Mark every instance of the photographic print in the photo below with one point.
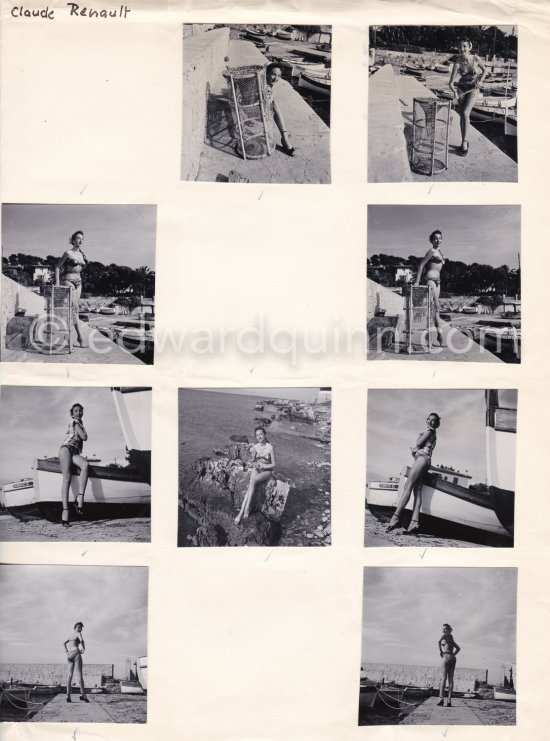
(256, 103)
(444, 283)
(73, 644)
(443, 474)
(254, 467)
(75, 463)
(78, 283)
(438, 647)
(443, 103)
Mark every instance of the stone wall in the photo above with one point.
(424, 676)
(14, 297)
(53, 673)
(203, 63)
(381, 297)
(388, 158)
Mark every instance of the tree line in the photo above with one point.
(457, 277)
(97, 279)
(486, 40)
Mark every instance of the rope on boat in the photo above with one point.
(381, 693)
(27, 702)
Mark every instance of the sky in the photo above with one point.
(123, 235)
(34, 420)
(483, 234)
(404, 609)
(298, 394)
(40, 605)
(396, 417)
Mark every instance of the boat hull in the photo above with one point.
(446, 502)
(142, 671)
(130, 688)
(111, 492)
(316, 85)
(503, 693)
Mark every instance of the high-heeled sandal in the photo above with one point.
(69, 698)
(394, 524)
(84, 698)
(65, 521)
(464, 148)
(412, 530)
(79, 509)
(291, 151)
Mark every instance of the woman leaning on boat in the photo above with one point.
(74, 648)
(422, 454)
(70, 453)
(470, 71)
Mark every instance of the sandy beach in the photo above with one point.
(134, 530)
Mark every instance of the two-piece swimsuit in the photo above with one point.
(72, 263)
(469, 78)
(437, 260)
(263, 458)
(74, 652)
(447, 651)
(72, 441)
(427, 449)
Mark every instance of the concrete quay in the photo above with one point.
(431, 714)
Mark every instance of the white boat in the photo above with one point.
(142, 671)
(383, 493)
(501, 339)
(442, 68)
(504, 693)
(113, 490)
(107, 310)
(129, 687)
(500, 435)
(16, 493)
(309, 67)
(285, 35)
(496, 101)
(319, 85)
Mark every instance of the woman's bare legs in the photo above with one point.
(280, 123)
(75, 308)
(450, 679)
(65, 460)
(418, 469)
(256, 477)
(467, 103)
(82, 464)
(70, 678)
(78, 664)
(417, 493)
(435, 289)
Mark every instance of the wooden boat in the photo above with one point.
(129, 687)
(284, 35)
(442, 68)
(113, 491)
(315, 83)
(414, 71)
(142, 671)
(504, 693)
(500, 435)
(16, 493)
(309, 67)
(501, 339)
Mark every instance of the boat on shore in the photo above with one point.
(113, 490)
(130, 687)
(504, 693)
(316, 83)
(500, 436)
(16, 493)
(141, 668)
(442, 68)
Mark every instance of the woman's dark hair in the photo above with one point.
(465, 40)
(272, 66)
(435, 231)
(76, 405)
(79, 623)
(73, 236)
(437, 419)
(446, 625)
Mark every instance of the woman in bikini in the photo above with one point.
(448, 649)
(422, 454)
(471, 72)
(74, 648)
(433, 261)
(262, 471)
(68, 273)
(273, 75)
(69, 454)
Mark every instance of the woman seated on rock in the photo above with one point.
(262, 470)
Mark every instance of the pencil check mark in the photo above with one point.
(424, 553)
(445, 732)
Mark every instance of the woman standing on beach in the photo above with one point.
(68, 273)
(448, 649)
(422, 454)
(74, 648)
(262, 471)
(433, 261)
(273, 75)
(471, 72)
(69, 454)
